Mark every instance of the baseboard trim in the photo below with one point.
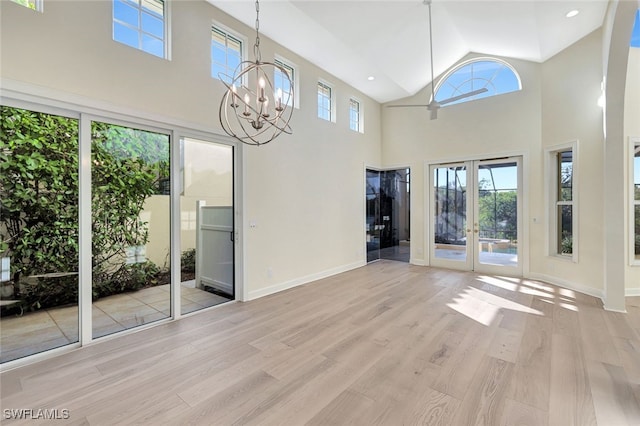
(632, 292)
(276, 288)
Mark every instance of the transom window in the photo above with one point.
(226, 54)
(281, 84)
(141, 24)
(325, 106)
(354, 115)
(496, 76)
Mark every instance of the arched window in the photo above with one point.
(495, 75)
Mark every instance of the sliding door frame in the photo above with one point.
(51, 101)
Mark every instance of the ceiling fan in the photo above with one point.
(434, 105)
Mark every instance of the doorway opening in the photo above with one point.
(388, 232)
(207, 224)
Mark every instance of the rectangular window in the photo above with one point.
(563, 197)
(31, 4)
(354, 115)
(284, 88)
(635, 188)
(325, 102)
(141, 24)
(226, 54)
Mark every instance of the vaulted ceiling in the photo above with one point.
(389, 40)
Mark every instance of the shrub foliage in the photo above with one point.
(39, 193)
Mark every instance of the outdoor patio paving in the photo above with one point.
(46, 329)
(500, 259)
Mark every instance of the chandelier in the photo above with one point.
(252, 109)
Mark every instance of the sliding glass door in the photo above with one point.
(39, 247)
(207, 224)
(94, 211)
(476, 215)
(130, 207)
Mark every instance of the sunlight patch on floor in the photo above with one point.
(484, 307)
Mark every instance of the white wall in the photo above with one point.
(558, 104)
(304, 192)
(494, 127)
(570, 91)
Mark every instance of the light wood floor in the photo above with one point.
(388, 344)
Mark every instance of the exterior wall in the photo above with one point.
(304, 192)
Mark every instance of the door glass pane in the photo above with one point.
(373, 225)
(206, 230)
(394, 215)
(130, 227)
(450, 217)
(497, 220)
(38, 232)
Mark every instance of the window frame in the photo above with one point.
(463, 64)
(285, 63)
(359, 127)
(228, 33)
(553, 201)
(331, 98)
(634, 143)
(166, 51)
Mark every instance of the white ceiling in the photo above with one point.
(389, 39)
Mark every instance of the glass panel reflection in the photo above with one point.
(130, 227)
(498, 214)
(637, 231)
(450, 213)
(206, 216)
(38, 232)
(373, 225)
(565, 225)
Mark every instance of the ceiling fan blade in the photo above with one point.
(407, 106)
(464, 95)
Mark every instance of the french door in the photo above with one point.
(476, 215)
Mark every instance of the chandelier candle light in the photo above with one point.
(247, 114)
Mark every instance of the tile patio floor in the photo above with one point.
(46, 329)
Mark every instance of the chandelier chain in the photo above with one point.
(256, 46)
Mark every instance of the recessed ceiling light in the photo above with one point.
(371, 78)
(572, 13)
